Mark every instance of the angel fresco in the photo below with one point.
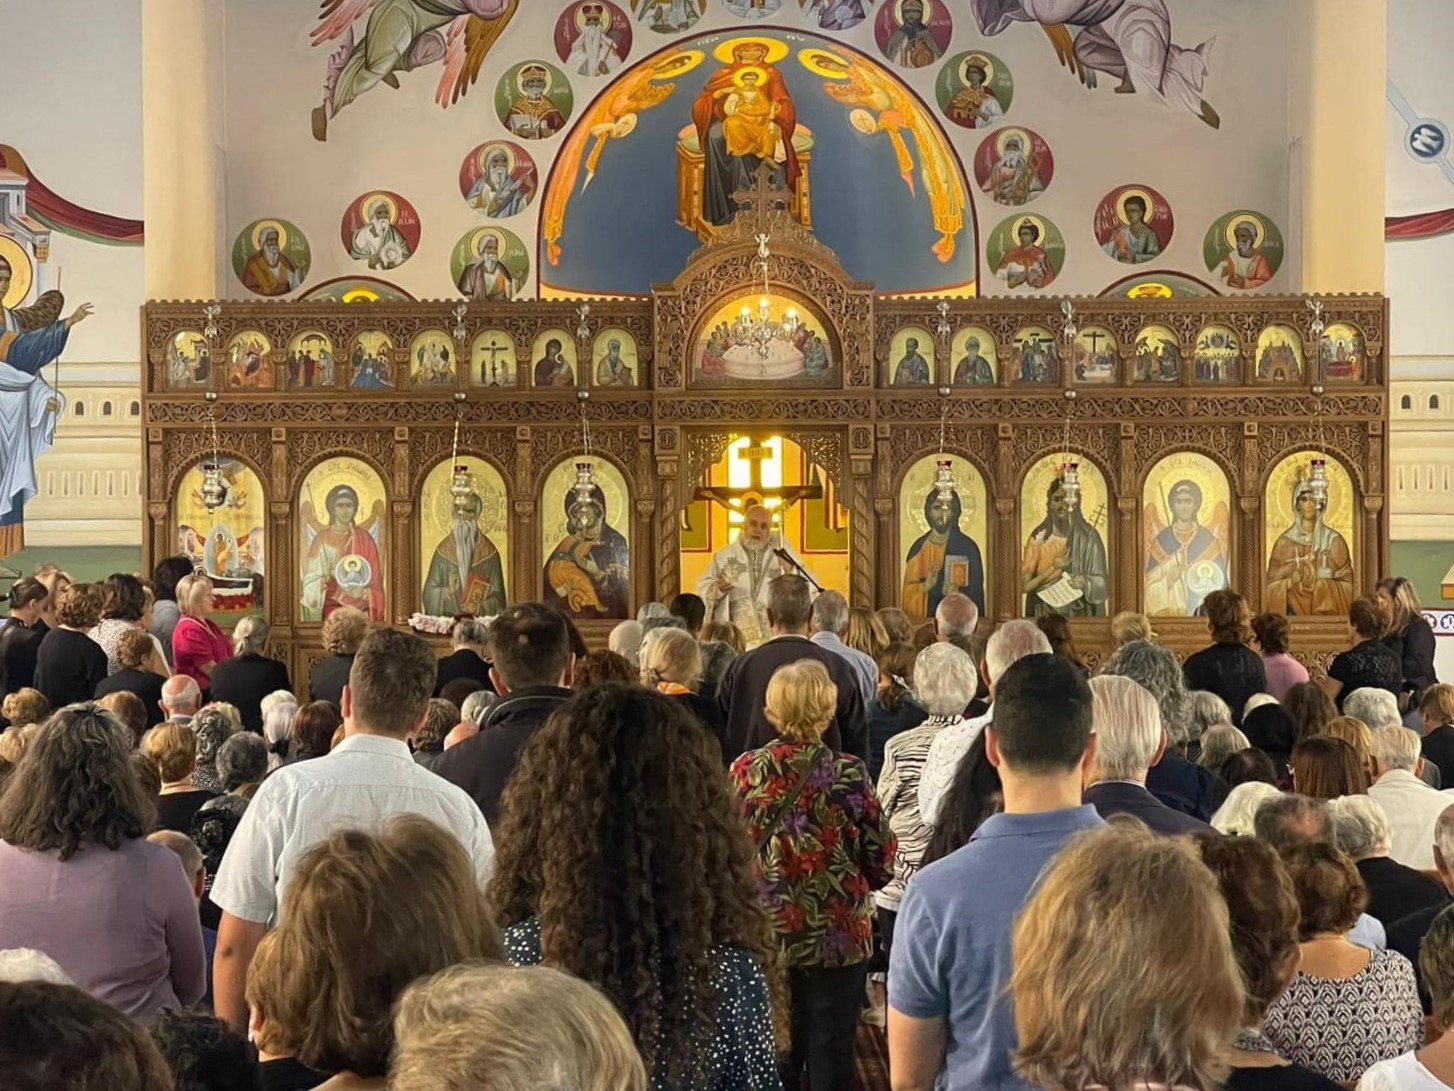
(1128, 40)
(879, 103)
(400, 36)
(612, 116)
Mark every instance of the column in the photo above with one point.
(1342, 124)
(181, 48)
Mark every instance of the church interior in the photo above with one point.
(430, 308)
(737, 260)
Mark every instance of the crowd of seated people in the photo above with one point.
(682, 863)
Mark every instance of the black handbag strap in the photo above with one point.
(783, 808)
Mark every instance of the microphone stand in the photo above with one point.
(783, 555)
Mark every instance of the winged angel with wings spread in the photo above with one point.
(400, 36)
(1128, 40)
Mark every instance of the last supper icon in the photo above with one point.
(764, 339)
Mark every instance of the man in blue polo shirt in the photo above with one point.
(951, 1025)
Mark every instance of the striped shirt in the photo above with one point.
(898, 791)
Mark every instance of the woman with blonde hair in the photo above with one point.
(409, 893)
(54, 581)
(726, 633)
(823, 845)
(671, 663)
(1355, 733)
(172, 746)
(1436, 711)
(1128, 626)
(198, 642)
(1109, 988)
(25, 706)
(480, 1026)
(866, 633)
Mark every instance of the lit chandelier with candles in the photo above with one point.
(762, 331)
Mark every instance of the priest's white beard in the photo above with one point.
(466, 534)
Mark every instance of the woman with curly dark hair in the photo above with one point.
(82, 883)
(622, 859)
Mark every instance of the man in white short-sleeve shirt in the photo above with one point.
(368, 778)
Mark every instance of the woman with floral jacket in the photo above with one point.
(823, 847)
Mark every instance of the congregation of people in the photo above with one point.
(686, 864)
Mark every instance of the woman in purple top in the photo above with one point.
(78, 879)
(1282, 670)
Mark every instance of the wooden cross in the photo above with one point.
(764, 201)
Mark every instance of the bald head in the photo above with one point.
(180, 696)
(955, 618)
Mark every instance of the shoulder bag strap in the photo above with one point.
(784, 807)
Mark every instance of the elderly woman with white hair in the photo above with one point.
(1237, 816)
(251, 675)
(1129, 740)
(1219, 743)
(1181, 784)
(278, 717)
(1412, 807)
(1362, 831)
(469, 655)
(945, 681)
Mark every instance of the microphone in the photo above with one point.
(782, 554)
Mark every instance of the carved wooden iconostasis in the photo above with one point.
(338, 420)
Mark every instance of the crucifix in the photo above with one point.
(736, 499)
(495, 348)
(1095, 337)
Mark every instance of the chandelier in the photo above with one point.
(214, 491)
(1317, 477)
(585, 486)
(761, 330)
(1069, 467)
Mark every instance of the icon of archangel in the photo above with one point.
(399, 36)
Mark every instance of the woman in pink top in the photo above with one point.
(79, 880)
(198, 642)
(1283, 671)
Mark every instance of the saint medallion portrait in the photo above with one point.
(271, 258)
(1133, 224)
(381, 230)
(1243, 249)
(974, 89)
(593, 37)
(498, 179)
(1013, 166)
(913, 33)
(534, 100)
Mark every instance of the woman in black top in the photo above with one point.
(468, 659)
(19, 640)
(343, 632)
(1369, 663)
(1228, 668)
(1410, 635)
(250, 675)
(173, 747)
(70, 665)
